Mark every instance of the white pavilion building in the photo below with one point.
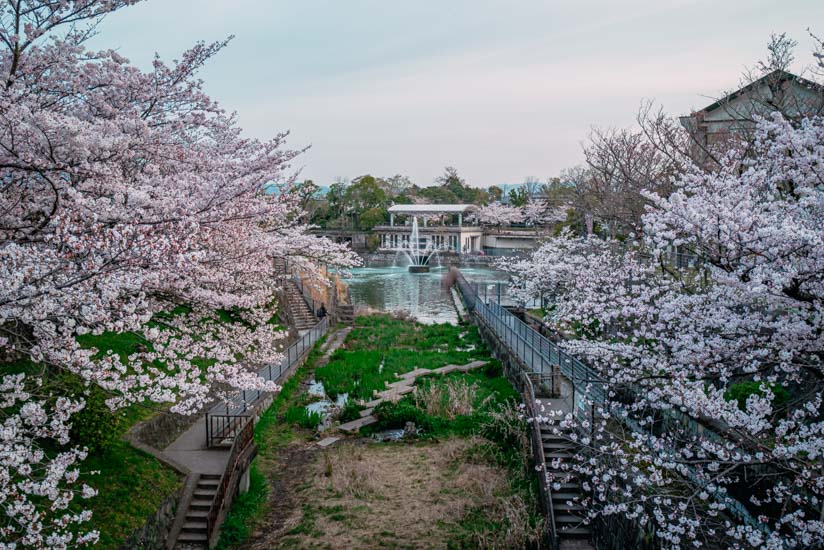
(440, 226)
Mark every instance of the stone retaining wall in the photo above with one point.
(153, 534)
(161, 429)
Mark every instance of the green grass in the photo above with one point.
(272, 433)
(298, 414)
(131, 485)
(238, 524)
(380, 347)
(493, 390)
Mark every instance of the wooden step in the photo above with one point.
(565, 496)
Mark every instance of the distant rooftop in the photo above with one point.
(430, 208)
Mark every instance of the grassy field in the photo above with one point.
(466, 481)
(381, 346)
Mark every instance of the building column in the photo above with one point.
(460, 219)
(392, 219)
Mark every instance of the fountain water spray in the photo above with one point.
(418, 258)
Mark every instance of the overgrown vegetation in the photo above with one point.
(466, 481)
(272, 433)
(381, 346)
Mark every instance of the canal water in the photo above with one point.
(393, 288)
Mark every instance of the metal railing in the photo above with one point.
(225, 420)
(589, 388)
(229, 479)
(540, 462)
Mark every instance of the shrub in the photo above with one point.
(304, 418)
(452, 398)
(396, 415)
(351, 411)
(493, 369)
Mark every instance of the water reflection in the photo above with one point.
(389, 288)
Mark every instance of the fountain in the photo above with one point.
(418, 259)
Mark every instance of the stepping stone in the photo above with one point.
(446, 369)
(356, 425)
(414, 373)
(372, 404)
(366, 412)
(400, 384)
(395, 392)
(328, 441)
(460, 368)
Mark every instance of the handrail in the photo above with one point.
(239, 446)
(593, 384)
(237, 406)
(540, 459)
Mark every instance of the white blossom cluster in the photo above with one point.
(671, 448)
(124, 194)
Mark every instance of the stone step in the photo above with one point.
(563, 507)
(554, 453)
(204, 494)
(568, 519)
(564, 496)
(400, 384)
(574, 532)
(414, 373)
(192, 538)
(394, 392)
(366, 412)
(570, 487)
(558, 445)
(196, 515)
(194, 527)
(356, 425)
(199, 505)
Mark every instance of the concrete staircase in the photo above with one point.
(299, 311)
(194, 533)
(346, 314)
(569, 519)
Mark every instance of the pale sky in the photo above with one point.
(500, 89)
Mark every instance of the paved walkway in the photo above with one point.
(190, 448)
(394, 391)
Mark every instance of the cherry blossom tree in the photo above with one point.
(537, 212)
(124, 194)
(710, 431)
(498, 214)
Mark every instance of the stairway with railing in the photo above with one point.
(540, 355)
